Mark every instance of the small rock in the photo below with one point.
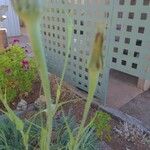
(40, 103)
(22, 105)
(118, 131)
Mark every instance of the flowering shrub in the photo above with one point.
(17, 71)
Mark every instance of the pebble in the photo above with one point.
(22, 105)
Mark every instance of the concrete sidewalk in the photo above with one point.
(139, 107)
(122, 89)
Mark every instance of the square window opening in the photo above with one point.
(139, 42)
(143, 16)
(75, 22)
(120, 14)
(141, 30)
(81, 23)
(75, 57)
(86, 69)
(146, 2)
(127, 40)
(80, 75)
(125, 52)
(86, 77)
(118, 27)
(74, 72)
(129, 28)
(115, 49)
(79, 83)
(131, 15)
(133, 2)
(123, 62)
(136, 54)
(81, 32)
(114, 60)
(121, 2)
(85, 86)
(64, 54)
(75, 31)
(117, 38)
(134, 65)
(99, 83)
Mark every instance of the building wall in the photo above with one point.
(129, 44)
(126, 46)
(12, 22)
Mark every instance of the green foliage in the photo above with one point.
(11, 138)
(60, 135)
(17, 72)
(69, 135)
(102, 126)
(88, 141)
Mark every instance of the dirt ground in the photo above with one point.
(117, 142)
(139, 107)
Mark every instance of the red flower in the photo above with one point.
(25, 64)
(15, 41)
(27, 51)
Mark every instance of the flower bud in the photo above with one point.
(96, 56)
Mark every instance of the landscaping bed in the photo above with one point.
(123, 135)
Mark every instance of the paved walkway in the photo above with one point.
(139, 107)
(122, 89)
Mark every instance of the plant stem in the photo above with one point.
(34, 31)
(95, 66)
(93, 79)
(69, 37)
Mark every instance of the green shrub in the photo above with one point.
(10, 138)
(102, 125)
(17, 72)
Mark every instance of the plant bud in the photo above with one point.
(96, 62)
